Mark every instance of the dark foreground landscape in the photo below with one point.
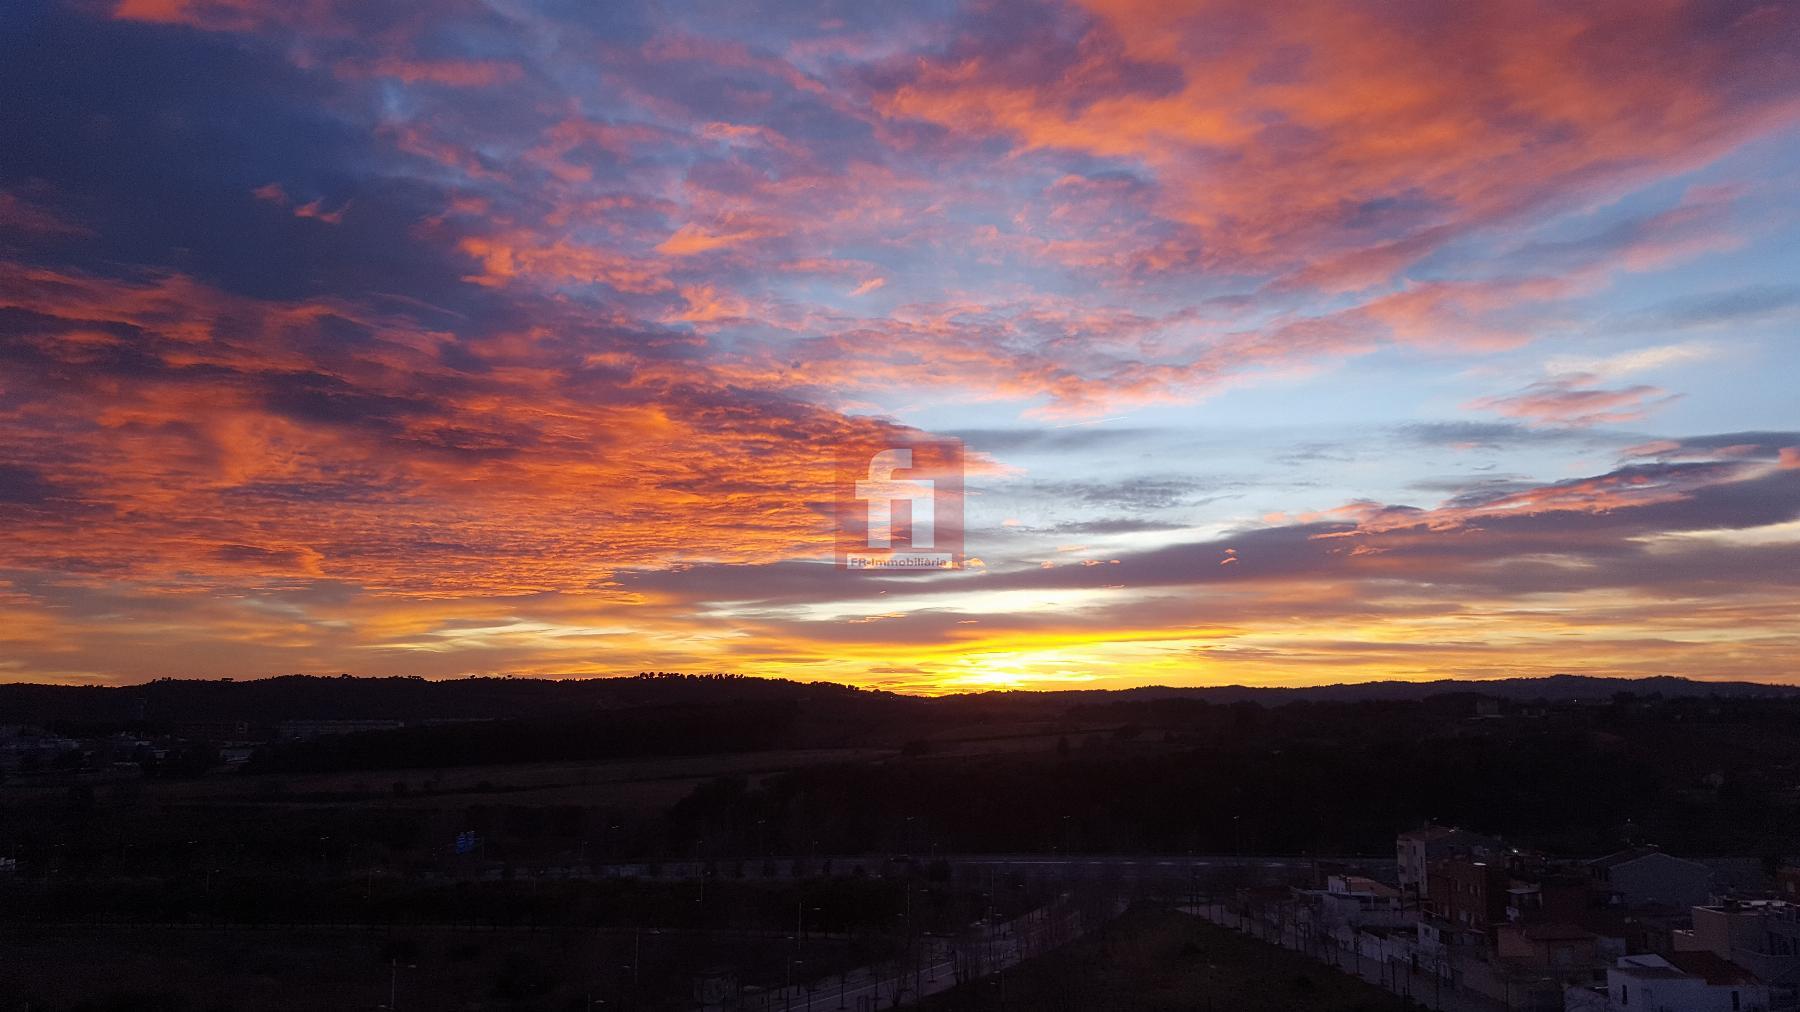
(674, 842)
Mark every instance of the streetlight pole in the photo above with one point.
(394, 969)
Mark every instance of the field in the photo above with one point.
(626, 783)
(645, 783)
(650, 782)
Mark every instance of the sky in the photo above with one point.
(1289, 344)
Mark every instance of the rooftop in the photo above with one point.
(1714, 968)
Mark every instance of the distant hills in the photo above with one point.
(1554, 688)
(344, 697)
(304, 697)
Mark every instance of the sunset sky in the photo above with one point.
(1290, 343)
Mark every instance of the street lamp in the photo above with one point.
(394, 968)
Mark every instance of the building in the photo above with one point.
(1417, 849)
(1545, 891)
(1566, 950)
(212, 730)
(1645, 876)
(1761, 936)
(305, 729)
(1533, 966)
(1355, 901)
(1469, 895)
(24, 747)
(1683, 982)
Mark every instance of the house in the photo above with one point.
(1542, 891)
(1683, 982)
(28, 747)
(212, 730)
(1645, 876)
(1470, 895)
(1417, 849)
(1762, 936)
(1564, 950)
(1534, 966)
(307, 729)
(1354, 901)
(1367, 890)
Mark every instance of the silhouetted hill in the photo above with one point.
(1553, 689)
(308, 697)
(269, 701)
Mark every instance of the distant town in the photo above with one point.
(1470, 923)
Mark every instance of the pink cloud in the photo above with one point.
(1571, 401)
(23, 216)
(443, 73)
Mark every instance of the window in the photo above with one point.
(1734, 1002)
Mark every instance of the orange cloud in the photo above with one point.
(521, 256)
(690, 239)
(515, 479)
(1341, 118)
(226, 15)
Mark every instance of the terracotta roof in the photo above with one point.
(1359, 884)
